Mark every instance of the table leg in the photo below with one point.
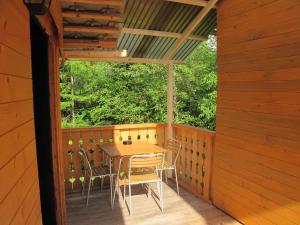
(111, 181)
(118, 182)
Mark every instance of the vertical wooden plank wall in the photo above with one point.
(256, 169)
(55, 113)
(19, 186)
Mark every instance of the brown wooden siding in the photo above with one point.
(19, 189)
(256, 170)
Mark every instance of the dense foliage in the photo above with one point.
(94, 93)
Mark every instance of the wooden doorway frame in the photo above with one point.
(48, 23)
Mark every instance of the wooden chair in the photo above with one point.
(142, 169)
(93, 172)
(174, 148)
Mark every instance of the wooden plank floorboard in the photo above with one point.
(185, 209)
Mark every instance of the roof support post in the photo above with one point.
(170, 111)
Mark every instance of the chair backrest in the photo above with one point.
(174, 147)
(86, 160)
(145, 162)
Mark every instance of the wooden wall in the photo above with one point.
(256, 172)
(19, 184)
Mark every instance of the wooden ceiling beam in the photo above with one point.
(201, 3)
(126, 60)
(83, 43)
(95, 54)
(97, 30)
(197, 38)
(188, 31)
(95, 16)
(157, 33)
(116, 3)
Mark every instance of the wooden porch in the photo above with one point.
(254, 160)
(192, 206)
(193, 164)
(179, 210)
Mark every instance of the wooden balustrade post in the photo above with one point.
(170, 109)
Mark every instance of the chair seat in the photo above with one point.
(100, 171)
(139, 178)
(144, 178)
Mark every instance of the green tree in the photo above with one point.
(196, 88)
(95, 93)
(112, 93)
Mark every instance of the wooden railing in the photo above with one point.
(195, 159)
(92, 137)
(193, 164)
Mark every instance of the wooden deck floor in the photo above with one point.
(185, 209)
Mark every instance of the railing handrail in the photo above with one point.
(136, 126)
(175, 125)
(115, 127)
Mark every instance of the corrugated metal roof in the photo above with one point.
(208, 25)
(186, 49)
(162, 16)
(153, 15)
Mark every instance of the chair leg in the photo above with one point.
(149, 190)
(176, 180)
(160, 193)
(111, 185)
(101, 184)
(114, 196)
(166, 176)
(158, 189)
(88, 195)
(83, 184)
(119, 190)
(124, 191)
(129, 186)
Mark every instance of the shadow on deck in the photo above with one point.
(185, 209)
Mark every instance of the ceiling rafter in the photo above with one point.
(127, 60)
(160, 33)
(95, 54)
(92, 16)
(93, 29)
(116, 3)
(188, 31)
(85, 43)
(201, 3)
